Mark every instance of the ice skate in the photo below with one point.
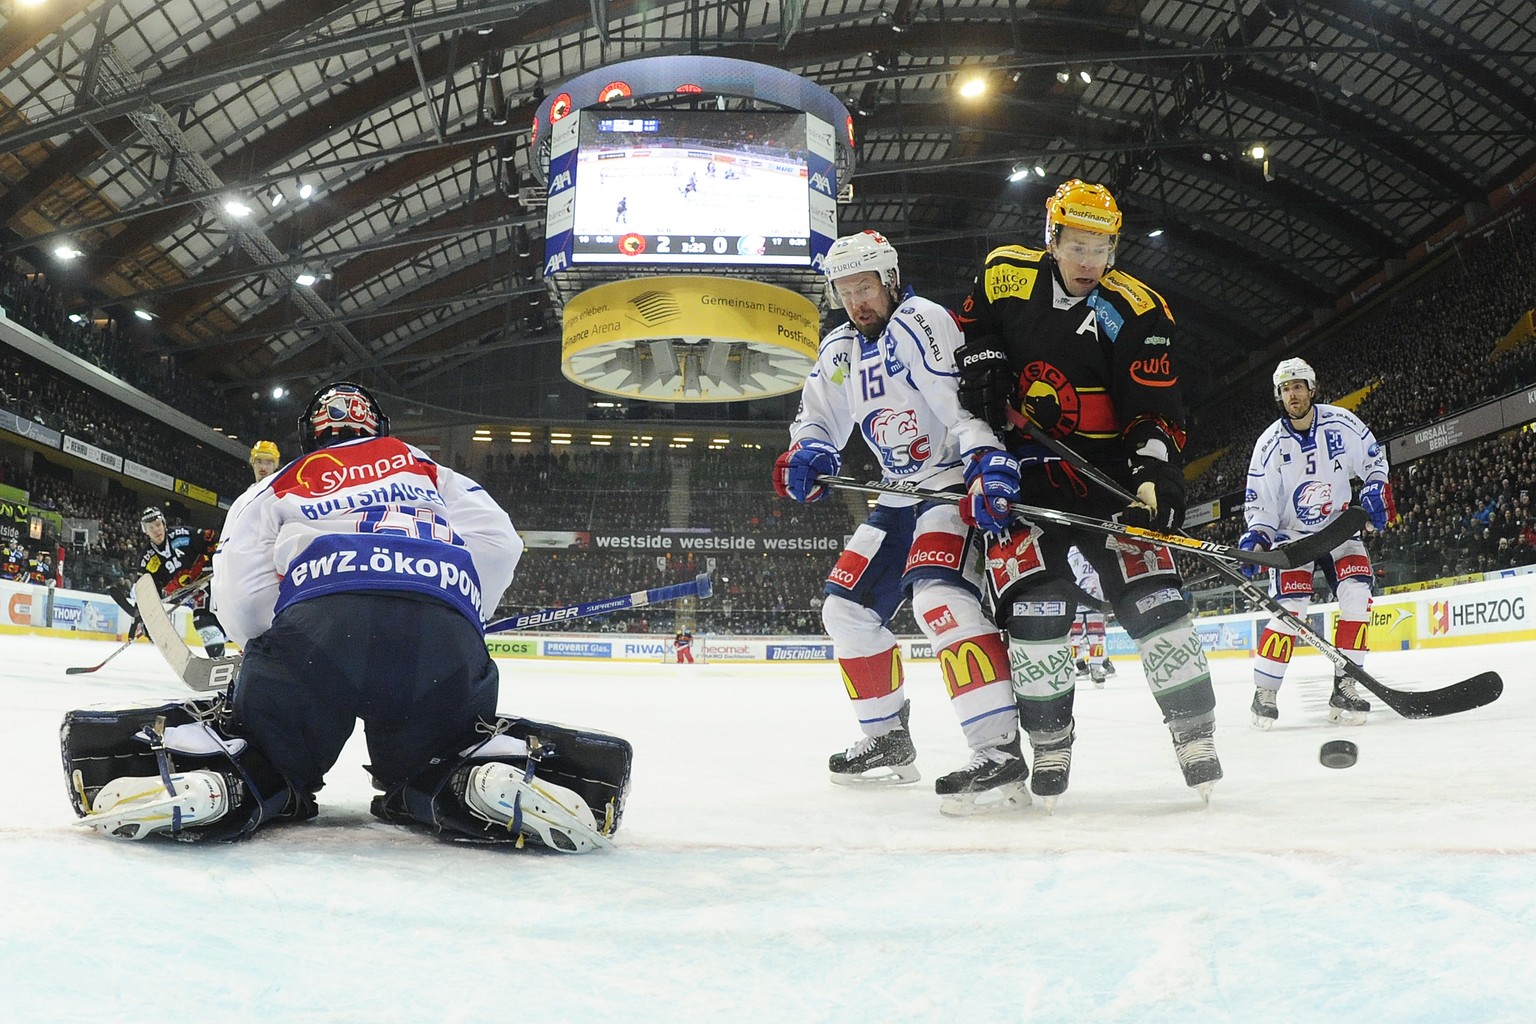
(1346, 706)
(993, 781)
(878, 760)
(134, 807)
(549, 815)
(1082, 666)
(1266, 712)
(1109, 667)
(1053, 763)
(1196, 751)
(1097, 674)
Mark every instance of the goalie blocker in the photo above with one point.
(179, 771)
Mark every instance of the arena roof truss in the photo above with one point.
(127, 128)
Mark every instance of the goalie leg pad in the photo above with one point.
(120, 752)
(594, 766)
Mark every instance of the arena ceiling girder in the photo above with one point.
(1386, 122)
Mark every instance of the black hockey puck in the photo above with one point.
(1338, 754)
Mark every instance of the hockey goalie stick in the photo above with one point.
(698, 587)
(201, 674)
(1464, 695)
(1286, 556)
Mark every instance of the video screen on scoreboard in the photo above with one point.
(691, 186)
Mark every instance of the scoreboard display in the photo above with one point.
(705, 188)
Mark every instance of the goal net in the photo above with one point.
(669, 651)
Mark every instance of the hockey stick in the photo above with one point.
(201, 674)
(698, 587)
(133, 635)
(1286, 556)
(136, 629)
(1472, 692)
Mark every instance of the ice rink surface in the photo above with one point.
(746, 888)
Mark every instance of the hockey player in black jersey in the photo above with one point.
(177, 558)
(1088, 354)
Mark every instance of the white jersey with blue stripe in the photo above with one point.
(1299, 482)
(900, 391)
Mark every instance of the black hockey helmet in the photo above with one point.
(340, 411)
(148, 516)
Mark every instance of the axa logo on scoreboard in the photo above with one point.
(1447, 617)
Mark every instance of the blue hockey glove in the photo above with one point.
(991, 483)
(1376, 499)
(1254, 540)
(795, 472)
(1160, 498)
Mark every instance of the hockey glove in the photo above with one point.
(1159, 489)
(986, 383)
(991, 484)
(795, 472)
(187, 576)
(1254, 540)
(1376, 498)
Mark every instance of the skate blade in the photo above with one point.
(1014, 796)
(1050, 804)
(1339, 716)
(1204, 789)
(1263, 724)
(891, 775)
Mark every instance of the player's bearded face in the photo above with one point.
(867, 301)
(1083, 257)
(1296, 397)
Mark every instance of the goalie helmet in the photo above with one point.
(340, 411)
(1294, 369)
(1079, 204)
(867, 251)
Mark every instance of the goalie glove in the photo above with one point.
(795, 472)
(987, 385)
(1376, 498)
(991, 485)
(1254, 540)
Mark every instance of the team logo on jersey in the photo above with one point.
(1313, 501)
(895, 433)
(330, 469)
(1156, 372)
(1050, 399)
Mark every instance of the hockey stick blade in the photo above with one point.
(80, 670)
(1471, 692)
(1311, 547)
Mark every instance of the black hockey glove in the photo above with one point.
(986, 383)
(1160, 498)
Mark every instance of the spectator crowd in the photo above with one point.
(1418, 352)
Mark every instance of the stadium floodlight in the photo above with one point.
(306, 279)
(1019, 172)
(306, 190)
(972, 87)
(143, 314)
(67, 252)
(236, 208)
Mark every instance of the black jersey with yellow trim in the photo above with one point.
(1089, 367)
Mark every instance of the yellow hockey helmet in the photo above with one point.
(265, 449)
(1078, 204)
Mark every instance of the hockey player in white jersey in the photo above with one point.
(889, 373)
(1298, 482)
(1089, 628)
